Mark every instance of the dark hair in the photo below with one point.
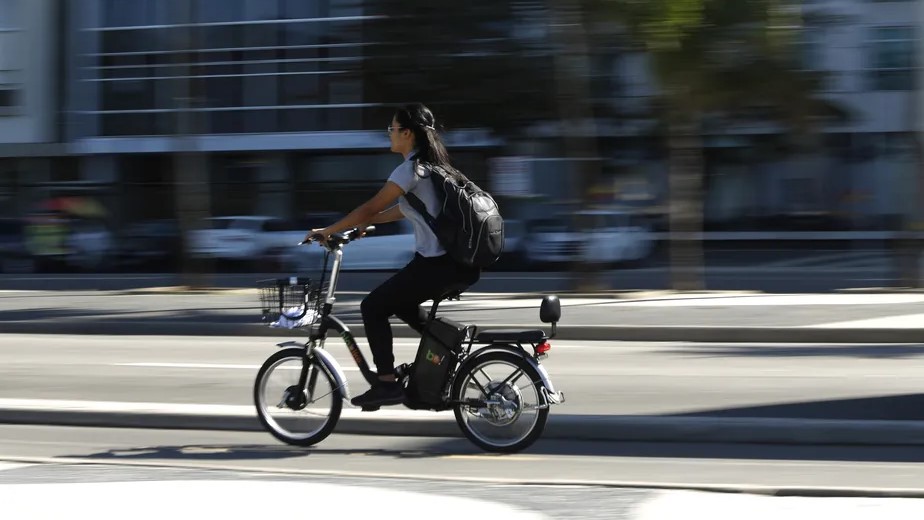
(430, 148)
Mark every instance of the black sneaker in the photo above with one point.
(382, 394)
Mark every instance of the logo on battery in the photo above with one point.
(436, 359)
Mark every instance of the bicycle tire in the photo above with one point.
(271, 424)
(464, 413)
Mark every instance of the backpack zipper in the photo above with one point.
(475, 252)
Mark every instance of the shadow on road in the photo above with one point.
(441, 448)
(906, 407)
(231, 452)
(872, 351)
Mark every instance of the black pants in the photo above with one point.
(424, 278)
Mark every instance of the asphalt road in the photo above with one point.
(603, 378)
(418, 462)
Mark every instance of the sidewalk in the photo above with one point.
(845, 317)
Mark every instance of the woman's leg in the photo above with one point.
(398, 294)
(401, 295)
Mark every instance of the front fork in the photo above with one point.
(308, 376)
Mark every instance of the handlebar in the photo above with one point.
(339, 239)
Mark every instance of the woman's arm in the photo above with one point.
(365, 213)
(389, 215)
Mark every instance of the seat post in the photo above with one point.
(436, 304)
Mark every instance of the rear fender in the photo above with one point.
(517, 351)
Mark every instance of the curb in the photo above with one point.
(561, 426)
(667, 333)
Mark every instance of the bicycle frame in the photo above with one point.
(327, 322)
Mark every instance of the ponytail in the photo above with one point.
(430, 148)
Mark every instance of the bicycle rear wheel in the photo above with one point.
(298, 416)
(500, 404)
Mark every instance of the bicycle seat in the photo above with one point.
(453, 293)
(510, 336)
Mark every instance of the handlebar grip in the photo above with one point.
(312, 238)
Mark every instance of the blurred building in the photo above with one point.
(275, 97)
(864, 176)
(32, 152)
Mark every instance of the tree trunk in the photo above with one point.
(686, 207)
(907, 247)
(190, 171)
(572, 73)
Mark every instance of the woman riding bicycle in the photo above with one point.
(430, 274)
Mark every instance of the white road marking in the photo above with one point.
(907, 321)
(4, 466)
(772, 300)
(232, 500)
(210, 366)
(668, 505)
(200, 409)
(699, 300)
(521, 303)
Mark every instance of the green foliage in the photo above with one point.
(731, 59)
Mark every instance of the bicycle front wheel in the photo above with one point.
(301, 416)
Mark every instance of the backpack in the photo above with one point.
(469, 225)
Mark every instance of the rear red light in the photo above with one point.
(543, 347)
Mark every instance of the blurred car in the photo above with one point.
(513, 256)
(598, 235)
(611, 236)
(550, 241)
(15, 257)
(67, 233)
(151, 244)
(254, 237)
(389, 248)
(90, 245)
(242, 237)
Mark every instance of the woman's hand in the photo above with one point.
(317, 235)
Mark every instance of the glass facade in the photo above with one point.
(892, 58)
(10, 66)
(250, 66)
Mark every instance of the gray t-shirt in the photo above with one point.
(404, 176)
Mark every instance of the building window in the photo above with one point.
(9, 15)
(892, 58)
(810, 48)
(259, 66)
(136, 13)
(9, 98)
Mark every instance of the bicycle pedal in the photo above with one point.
(370, 408)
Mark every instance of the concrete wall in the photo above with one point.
(28, 56)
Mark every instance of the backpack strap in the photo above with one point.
(418, 204)
(419, 207)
